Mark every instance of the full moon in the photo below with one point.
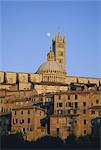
(48, 34)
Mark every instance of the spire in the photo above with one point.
(64, 39)
(58, 37)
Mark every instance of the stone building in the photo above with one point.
(73, 112)
(49, 101)
(27, 119)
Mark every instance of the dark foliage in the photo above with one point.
(16, 142)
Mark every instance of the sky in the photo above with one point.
(24, 42)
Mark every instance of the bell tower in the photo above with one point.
(59, 49)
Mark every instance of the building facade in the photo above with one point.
(73, 112)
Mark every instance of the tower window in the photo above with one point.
(61, 53)
(60, 61)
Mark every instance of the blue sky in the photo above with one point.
(24, 42)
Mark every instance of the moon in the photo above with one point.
(48, 34)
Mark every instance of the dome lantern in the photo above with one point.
(50, 55)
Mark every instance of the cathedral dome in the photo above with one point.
(49, 66)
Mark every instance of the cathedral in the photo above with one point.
(49, 102)
(50, 76)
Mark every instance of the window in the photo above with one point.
(30, 129)
(16, 120)
(84, 121)
(57, 104)
(15, 112)
(68, 111)
(21, 112)
(75, 111)
(28, 111)
(61, 53)
(23, 129)
(84, 131)
(75, 121)
(59, 96)
(2, 109)
(61, 111)
(76, 104)
(57, 111)
(84, 111)
(70, 105)
(76, 96)
(68, 97)
(92, 112)
(13, 121)
(97, 101)
(84, 103)
(57, 131)
(28, 120)
(60, 61)
(22, 121)
(70, 122)
(60, 104)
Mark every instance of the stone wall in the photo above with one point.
(78, 79)
(23, 81)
